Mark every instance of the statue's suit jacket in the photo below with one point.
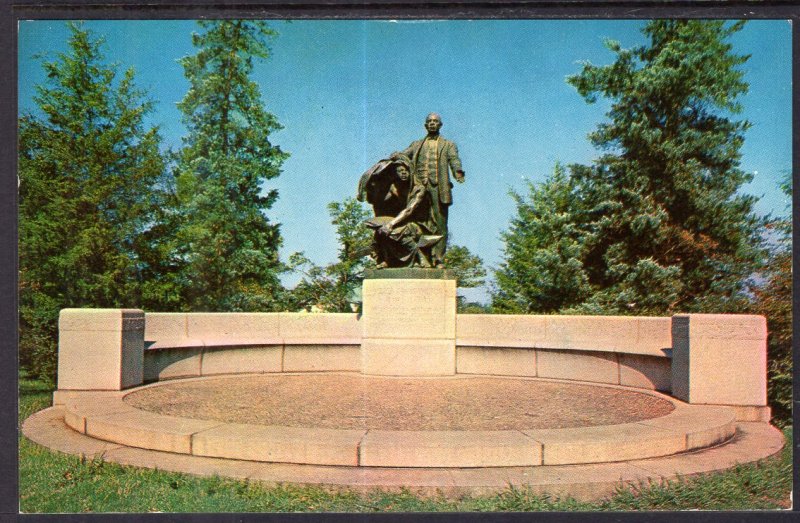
(448, 161)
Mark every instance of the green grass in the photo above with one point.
(54, 482)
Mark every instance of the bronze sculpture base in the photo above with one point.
(409, 273)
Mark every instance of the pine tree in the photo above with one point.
(89, 172)
(224, 242)
(670, 232)
(662, 227)
(542, 269)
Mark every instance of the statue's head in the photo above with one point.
(433, 122)
(402, 166)
(402, 172)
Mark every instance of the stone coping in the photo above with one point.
(248, 327)
(104, 416)
(648, 336)
(486, 343)
(752, 442)
(623, 335)
(185, 343)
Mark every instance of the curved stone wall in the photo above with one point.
(621, 350)
(617, 350)
(717, 359)
(179, 345)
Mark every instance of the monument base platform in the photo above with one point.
(388, 357)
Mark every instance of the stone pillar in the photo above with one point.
(409, 322)
(720, 359)
(100, 349)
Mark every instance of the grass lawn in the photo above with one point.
(54, 482)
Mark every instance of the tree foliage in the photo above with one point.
(468, 267)
(655, 225)
(470, 273)
(773, 299)
(542, 269)
(89, 172)
(334, 287)
(224, 245)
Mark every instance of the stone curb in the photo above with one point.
(105, 416)
(754, 441)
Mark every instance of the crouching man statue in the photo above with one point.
(404, 224)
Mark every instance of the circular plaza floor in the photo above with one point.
(417, 404)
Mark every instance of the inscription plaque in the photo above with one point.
(409, 309)
(409, 327)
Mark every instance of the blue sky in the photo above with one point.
(350, 92)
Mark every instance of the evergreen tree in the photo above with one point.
(225, 245)
(657, 225)
(670, 231)
(542, 269)
(89, 171)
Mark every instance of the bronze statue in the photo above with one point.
(405, 229)
(410, 193)
(434, 157)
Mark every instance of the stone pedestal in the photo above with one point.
(100, 349)
(720, 359)
(409, 319)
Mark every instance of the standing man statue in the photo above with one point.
(433, 158)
